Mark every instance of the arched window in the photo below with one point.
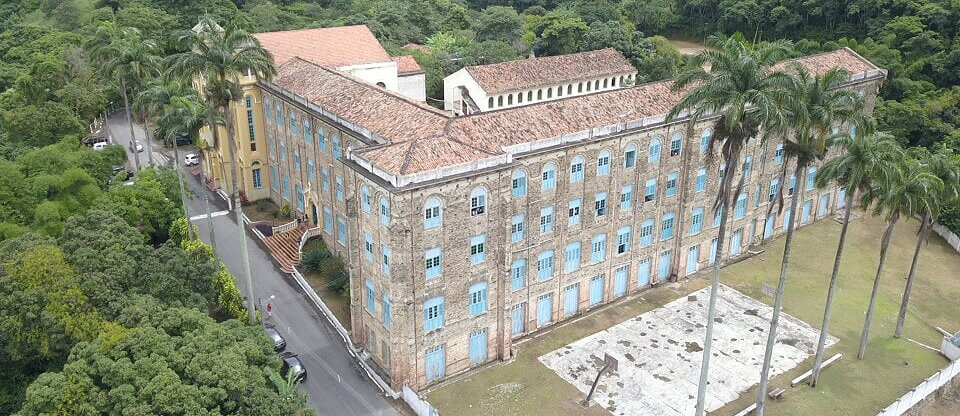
(596, 84)
(747, 164)
(519, 98)
(478, 201)
(432, 213)
(478, 298)
(705, 140)
(381, 85)
(293, 123)
(740, 209)
(384, 211)
(540, 94)
(676, 143)
(811, 176)
(579, 87)
(490, 102)
(519, 183)
(603, 163)
(654, 154)
(604, 83)
(307, 132)
(279, 116)
(630, 156)
(560, 91)
(613, 81)
(529, 95)
(576, 170)
(549, 177)
(509, 99)
(500, 101)
(589, 86)
(569, 89)
(549, 92)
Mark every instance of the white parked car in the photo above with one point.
(191, 159)
(137, 146)
(100, 146)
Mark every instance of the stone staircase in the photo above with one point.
(285, 248)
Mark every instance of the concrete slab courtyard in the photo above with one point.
(524, 385)
(659, 354)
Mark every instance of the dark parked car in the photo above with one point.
(182, 139)
(92, 140)
(278, 342)
(292, 365)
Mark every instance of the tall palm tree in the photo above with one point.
(854, 170)
(816, 103)
(944, 166)
(218, 56)
(747, 93)
(911, 189)
(124, 54)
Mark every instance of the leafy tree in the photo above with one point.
(740, 73)
(559, 32)
(146, 205)
(41, 124)
(499, 23)
(649, 16)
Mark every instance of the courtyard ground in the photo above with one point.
(525, 386)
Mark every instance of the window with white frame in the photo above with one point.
(339, 188)
(576, 170)
(478, 298)
(623, 240)
(433, 262)
(518, 183)
(778, 155)
(747, 164)
(478, 201)
(676, 143)
(793, 184)
(478, 249)
(666, 226)
(650, 190)
(545, 265)
(646, 232)
(432, 213)
(546, 220)
(811, 177)
(630, 156)
(325, 179)
(518, 273)
(371, 298)
(626, 198)
(654, 154)
(705, 138)
(696, 220)
(573, 214)
(516, 228)
(774, 188)
(603, 163)
(571, 257)
(600, 204)
(598, 248)
(740, 209)
(433, 314)
(671, 183)
(549, 177)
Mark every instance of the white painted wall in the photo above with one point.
(413, 86)
(385, 72)
(462, 78)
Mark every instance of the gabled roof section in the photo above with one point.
(406, 65)
(382, 112)
(333, 47)
(537, 72)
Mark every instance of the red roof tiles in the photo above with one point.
(537, 72)
(425, 139)
(332, 47)
(407, 65)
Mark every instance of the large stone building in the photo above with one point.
(463, 233)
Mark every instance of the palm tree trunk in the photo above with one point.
(778, 298)
(146, 134)
(715, 284)
(885, 243)
(925, 226)
(235, 194)
(133, 134)
(183, 193)
(831, 291)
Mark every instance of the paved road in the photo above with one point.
(120, 134)
(334, 385)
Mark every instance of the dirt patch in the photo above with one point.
(693, 347)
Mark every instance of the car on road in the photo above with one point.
(182, 139)
(137, 146)
(100, 146)
(92, 140)
(191, 159)
(278, 342)
(292, 365)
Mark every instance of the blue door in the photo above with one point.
(518, 315)
(643, 273)
(807, 209)
(436, 363)
(841, 198)
(571, 299)
(735, 242)
(663, 266)
(693, 259)
(478, 346)
(620, 281)
(544, 309)
(824, 203)
(713, 251)
(596, 290)
(768, 228)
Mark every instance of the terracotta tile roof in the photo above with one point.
(416, 47)
(385, 113)
(332, 47)
(425, 139)
(406, 64)
(550, 70)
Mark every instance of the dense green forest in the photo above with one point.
(82, 282)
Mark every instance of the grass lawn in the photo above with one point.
(849, 387)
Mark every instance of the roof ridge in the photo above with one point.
(541, 58)
(307, 29)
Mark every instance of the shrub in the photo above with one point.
(285, 210)
(262, 204)
(313, 261)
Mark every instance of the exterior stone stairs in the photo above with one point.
(285, 248)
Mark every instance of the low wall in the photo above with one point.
(952, 239)
(921, 396)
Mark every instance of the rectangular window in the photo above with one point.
(432, 261)
(650, 190)
(545, 265)
(325, 179)
(626, 198)
(433, 314)
(811, 176)
(274, 178)
(599, 248)
(336, 147)
(518, 273)
(519, 186)
(371, 298)
(741, 208)
(701, 180)
(546, 220)
(672, 184)
(717, 217)
(778, 155)
(696, 221)
(630, 158)
(666, 227)
(257, 179)
(774, 188)
(286, 186)
(478, 299)
(571, 257)
(250, 129)
(646, 233)
(549, 179)
(793, 184)
(600, 204)
(328, 221)
(368, 246)
(300, 202)
(576, 171)
(311, 169)
(756, 196)
(431, 216)
(386, 258)
(322, 140)
(341, 230)
(339, 188)
(516, 228)
(387, 318)
(296, 159)
(573, 216)
(623, 240)
(603, 164)
(478, 251)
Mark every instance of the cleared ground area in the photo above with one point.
(659, 354)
